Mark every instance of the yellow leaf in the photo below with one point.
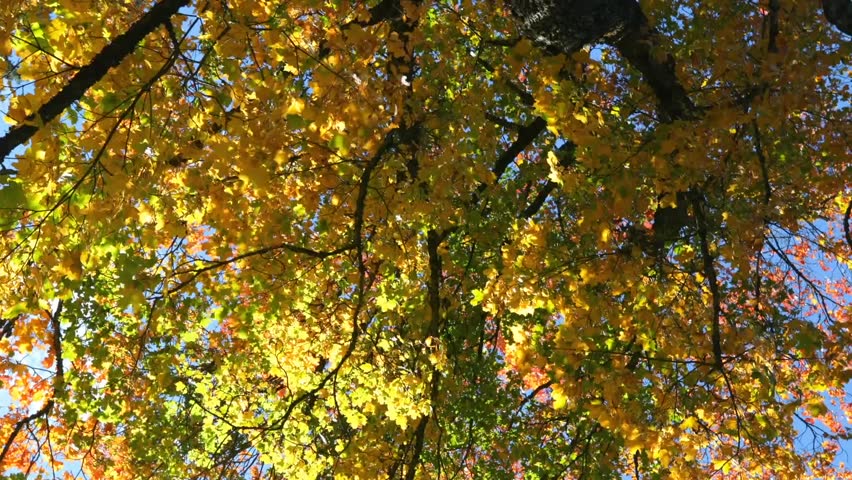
(296, 107)
(71, 266)
(523, 48)
(560, 399)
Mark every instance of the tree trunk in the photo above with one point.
(565, 26)
(839, 13)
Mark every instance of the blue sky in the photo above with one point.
(34, 359)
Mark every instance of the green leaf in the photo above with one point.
(12, 196)
(340, 144)
(40, 37)
(296, 121)
(110, 102)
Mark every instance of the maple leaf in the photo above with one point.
(401, 239)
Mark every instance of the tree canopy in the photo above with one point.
(546, 239)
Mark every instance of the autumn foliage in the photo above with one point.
(414, 240)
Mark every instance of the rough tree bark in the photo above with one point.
(566, 26)
(839, 13)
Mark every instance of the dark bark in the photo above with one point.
(86, 77)
(567, 158)
(839, 13)
(566, 26)
(640, 45)
(526, 136)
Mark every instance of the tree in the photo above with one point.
(262, 239)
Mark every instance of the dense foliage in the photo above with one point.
(407, 239)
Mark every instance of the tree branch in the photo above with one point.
(639, 46)
(363, 283)
(86, 77)
(525, 96)
(58, 384)
(774, 8)
(839, 14)
(569, 25)
(433, 241)
(566, 159)
(508, 124)
(846, 228)
(712, 282)
(761, 158)
(526, 135)
(214, 264)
